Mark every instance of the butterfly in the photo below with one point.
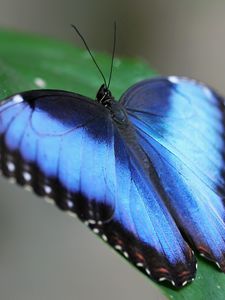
(145, 173)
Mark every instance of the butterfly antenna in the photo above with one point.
(113, 55)
(89, 51)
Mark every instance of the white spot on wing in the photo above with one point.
(27, 176)
(118, 247)
(69, 203)
(173, 283)
(162, 279)
(125, 254)
(47, 189)
(147, 271)
(91, 221)
(40, 82)
(140, 265)
(10, 166)
(218, 265)
(207, 92)
(184, 283)
(104, 237)
(17, 99)
(173, 79)
(96, 230)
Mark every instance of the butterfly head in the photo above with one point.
(104, 96)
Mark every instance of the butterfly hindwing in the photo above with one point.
(142, 226)
(180, 125)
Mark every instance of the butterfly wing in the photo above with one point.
(59, 143)
(68, 148)
(180, 124)
(142, 228)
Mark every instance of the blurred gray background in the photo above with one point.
(44, 254)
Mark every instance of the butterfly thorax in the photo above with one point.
(104, 97)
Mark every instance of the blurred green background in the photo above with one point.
(44, 254)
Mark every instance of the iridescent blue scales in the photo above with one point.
(145, 173)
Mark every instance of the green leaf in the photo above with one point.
(30, 62)
(24, 59)
(208, 285)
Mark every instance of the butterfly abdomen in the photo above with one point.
(134, 147)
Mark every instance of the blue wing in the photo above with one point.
(68, 148)
(142, 227)
(59, 143)
(180, 124)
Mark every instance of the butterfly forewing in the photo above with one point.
(180, 125)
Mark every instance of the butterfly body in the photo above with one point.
(140, 172)
(104, 97)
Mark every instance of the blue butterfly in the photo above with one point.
(146, 173)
